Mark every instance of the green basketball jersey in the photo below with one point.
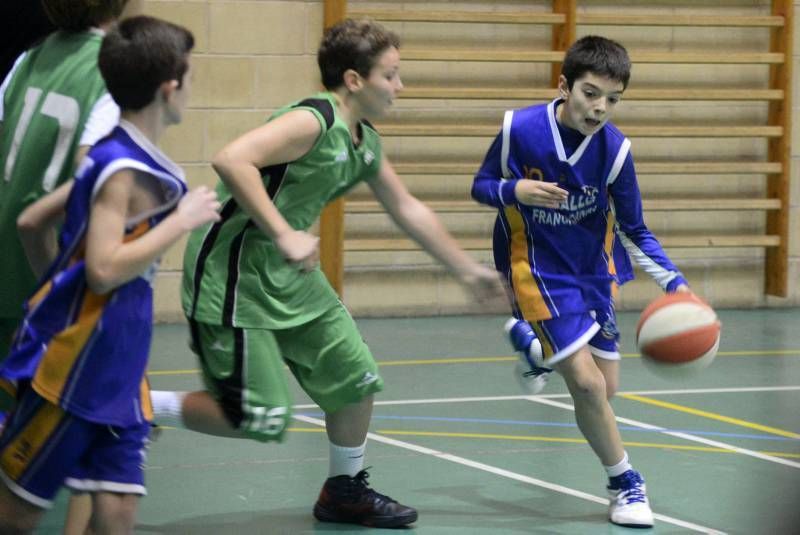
(46, 105)
(233, 273)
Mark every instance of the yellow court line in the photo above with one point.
(711, 415)
(443, 434)
(172, 372)
(481, 360)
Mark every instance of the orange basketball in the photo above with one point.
(678, 334)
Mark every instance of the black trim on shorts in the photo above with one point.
(231, 388)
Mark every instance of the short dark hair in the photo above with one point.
(352, 44)
(78, 15)
(139, 55)
(597, 55)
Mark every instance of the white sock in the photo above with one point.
(167, 407)
(619, 468)
(347, 461)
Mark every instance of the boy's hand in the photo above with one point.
(486, 284)
(299, 248)
(198, 207)
(538, 193)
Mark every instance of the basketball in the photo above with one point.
(678, 334)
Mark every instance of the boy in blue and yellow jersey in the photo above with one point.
(83, 412)
(563, 180)
(253, 293)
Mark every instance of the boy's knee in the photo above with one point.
(590, 386)
(266, 424)
(117, 516)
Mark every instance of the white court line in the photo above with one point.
(678, 434)
(510, 475)
(567, 396)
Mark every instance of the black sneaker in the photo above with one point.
(349, 500)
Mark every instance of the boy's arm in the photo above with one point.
(37, 227)
(110, 262)
(489, 186)
(238, 164)
(421, 224)
(638, 240)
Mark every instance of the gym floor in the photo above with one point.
(453, 436)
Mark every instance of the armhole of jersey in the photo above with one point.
(322, 107)
(168, 181)
(619, 161)
(504, 149)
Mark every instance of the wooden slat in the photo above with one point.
(597, 19)
(500, 55)
(736, 240)
(546, 93)
(485, 244)
(691, 205)
(715, 168)
(403, 244)
(546, 56)
(653, 205)
(708, 57)
(485, 130)
(659, 19)
(655, 168)
(487, 17)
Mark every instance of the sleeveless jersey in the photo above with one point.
(234, 274)
(46, 105)
(566, 260)
(86, 352)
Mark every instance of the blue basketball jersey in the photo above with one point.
(568, 259)
(83, 351)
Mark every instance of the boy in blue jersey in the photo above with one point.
(83, 410)
(563, 180)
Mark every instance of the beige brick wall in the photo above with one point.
(250, 57)
(253, 56)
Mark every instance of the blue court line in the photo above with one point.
(527, 423)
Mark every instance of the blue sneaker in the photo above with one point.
(629, 505)
(530, 371)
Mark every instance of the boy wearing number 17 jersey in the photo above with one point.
(53, 106)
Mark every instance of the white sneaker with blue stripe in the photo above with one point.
(530, 371)
(629, 505)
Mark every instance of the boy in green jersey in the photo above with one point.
(53, 107)
(253, 293)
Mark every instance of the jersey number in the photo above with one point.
(63, 109)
